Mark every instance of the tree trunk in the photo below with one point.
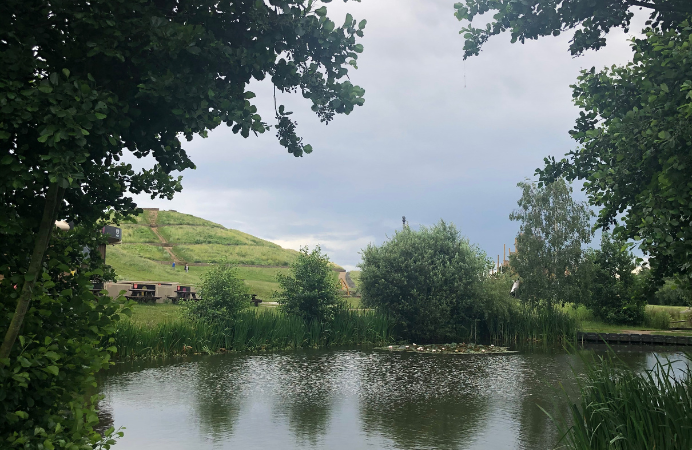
(50, 210)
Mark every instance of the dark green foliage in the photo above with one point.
(592, 19)
(430, 281)
(672, 294)
(251, 331)
(84, 82)
(553, 228)
(614, 290)
(224, 295)
(311, 291)
(621, 409)
(634, 133)
(44, 385)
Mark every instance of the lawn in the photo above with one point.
(135, 268)
(236, 254)
(355, 277)
(152, 252)
(189, 234)
(590, 324)
(176, 218)
(261, 280)
(138, 234)
(152, 315)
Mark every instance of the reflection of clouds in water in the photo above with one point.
(343, 400)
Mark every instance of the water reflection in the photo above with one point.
(344, 400)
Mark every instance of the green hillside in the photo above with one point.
(154, 239)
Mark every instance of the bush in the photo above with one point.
(224, 295)
(430, 281)
(672, 294)
(311, 290)
(47, 382)
(614, 288)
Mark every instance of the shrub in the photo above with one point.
(224, 295)
(430, 281)
(614, 287)
(47, 381)
(311, 290)
(672, 294)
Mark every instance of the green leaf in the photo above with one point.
(362, 24)
(100, 116)
(52, 370)
(66, 72)
(321, 11)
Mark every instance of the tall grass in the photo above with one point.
(657, 319)
(528, 325)
(251, 331)
(623, 410)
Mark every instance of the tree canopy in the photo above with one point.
(635, 133)
(553, 228)
(84, 82)
(430, 282)
(591, 19)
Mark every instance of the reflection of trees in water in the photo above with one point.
(104, 412)
(217, 384)
(306, 384)
(547, 380)
(426, 401)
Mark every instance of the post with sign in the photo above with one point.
(115, 236)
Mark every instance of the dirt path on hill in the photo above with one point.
(153, 216)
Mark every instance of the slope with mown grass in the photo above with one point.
(260, 280)
(190, 239)
(153, 239)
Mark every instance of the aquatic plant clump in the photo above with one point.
(622, 409)
(449, 349)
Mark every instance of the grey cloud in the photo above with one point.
(423, 145)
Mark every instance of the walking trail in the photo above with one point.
(153, 216)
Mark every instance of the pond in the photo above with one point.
(344, 399)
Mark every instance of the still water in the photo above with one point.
(344, 400)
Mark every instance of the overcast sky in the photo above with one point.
(436, 139)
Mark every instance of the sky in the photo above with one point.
(437, 138)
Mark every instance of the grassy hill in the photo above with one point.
(154, 239)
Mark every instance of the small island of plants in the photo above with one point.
(449, 349)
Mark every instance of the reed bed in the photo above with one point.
(251, 331)
(530, 325)
(623, 410)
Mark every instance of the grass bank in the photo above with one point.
(252, 331)
(675, 320)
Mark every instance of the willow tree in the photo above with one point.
(84, 82)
